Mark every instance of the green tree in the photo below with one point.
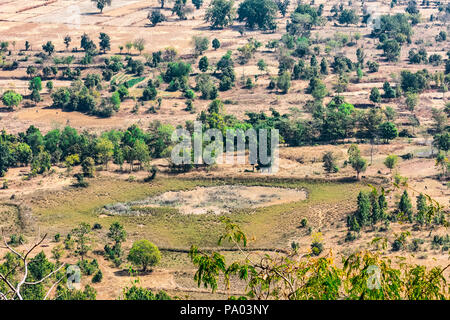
(200, 45)
(203, 64)
(105, 42)
(144, 253)
(11, 99)
(88, 167)
(220, 14)
(142, 294)
(41, 162)
(375, 95)
(258, 13)
(156, 16)
(49, 48)
(405, 206)
(391, 50)
(179, 8)
(387, 131)
(422, 209)
(329, 162)
(81, 235)
(348, 16)
(284, 82)
(442, 141)
(101, 4)
(358, 163)
(391, 162)
(197, 3)
(216, 43)
(104, 150)
(411, 100)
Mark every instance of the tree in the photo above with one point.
(144, 253)
(139, 44)
(35, 84)
(363, 210)
(105, 42)
(117, 233)
(375, 95)
(141, 152)
(348, 16)
(11, 99)
(388, 131)
(197, 3)
(358, 163)
(80, 234)
(329, 162)
(23, 153)
(104, 150)
(442, 141)
(405, 206)
(200, 45)
(391, 50)
(411, 100)
(422, 209)
(442, 163)
(179, 8)
(220, 13)
(324, 66)
(67, 40)
(391, 162)
(262, 65)
(143, 294)
(284, 82)
(156, 16)
(413, 82)
(258, 13)
(101, 4)
(49, 48)
(216, 43)
(87, 44)
(412, 7)
(283, 6)
(203, 64)
(389, 92)
(88, 167)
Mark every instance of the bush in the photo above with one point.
(316, 248)
(304, 222)
(97, 277)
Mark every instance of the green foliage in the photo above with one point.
(138, 293)
(284, 82)
(11, 99)
(258, 13)
(329, 162)
(144, 253)
(364, 275)
(391, 162)
(220, 14)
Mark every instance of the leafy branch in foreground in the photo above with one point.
(21, 277)
(296, 276)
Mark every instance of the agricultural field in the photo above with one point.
(94, 95)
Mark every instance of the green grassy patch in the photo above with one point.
(268, 226)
